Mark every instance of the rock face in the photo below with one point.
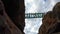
(12, 16)
(51, 21)
(16, 11)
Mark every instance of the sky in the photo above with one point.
(32, 25)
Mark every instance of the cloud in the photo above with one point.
(36, 6)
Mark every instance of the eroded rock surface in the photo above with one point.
(51, 21)
(12, 16)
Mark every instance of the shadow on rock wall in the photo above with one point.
(12, 16)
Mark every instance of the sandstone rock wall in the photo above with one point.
(12, 16)
(51, 21)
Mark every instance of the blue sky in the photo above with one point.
(36, 6)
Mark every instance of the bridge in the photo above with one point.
(34, 15)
